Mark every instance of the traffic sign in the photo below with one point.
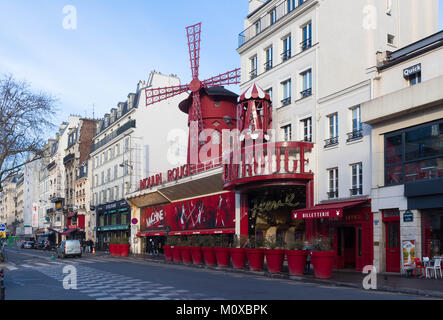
(134, 221)
(2, 227)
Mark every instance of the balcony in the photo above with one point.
(286, 101)
(306, 93)
(268, 65)
(333, 194)
(355, 135)
(253, 74)
(356, 191)
(68, 158)
(280, 11)
(331, 142)
(128, 125)
(51, 165)
(286, 55)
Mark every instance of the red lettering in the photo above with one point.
(294, 170)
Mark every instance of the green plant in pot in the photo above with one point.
(185, 250)
(297, 256)
(208, 243)
(322, 257)
(238, 251)
(255, 253)
(274, 254)
(196, 251)
(222, 251)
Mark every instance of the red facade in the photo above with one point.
(210, 213)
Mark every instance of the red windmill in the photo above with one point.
(195, 111)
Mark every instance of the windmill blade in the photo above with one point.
(195, 112)
(193, 33)
(224, 79)
(158, 94)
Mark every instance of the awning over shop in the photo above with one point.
(151, 234)
(330, 210)
(68, 232)
(205, 231)
(72, 214)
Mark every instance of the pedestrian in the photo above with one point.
(89, 246)
(308, 259)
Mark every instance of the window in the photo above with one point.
(391, 39)
(414, 79)
(269, 91)
(286, 48)
(307, 83)
(286, 132)
(115, 171)
(125, 167)
(307, 129)
(257, 27)
(253, 64)
(357, 130)
(106, 155)
(103, 177)
(126, 144)
(307, 37)
(108, 177)
(286, 87)
(290, 5)
(388, 7)
(269, 57)
(117, 149)
(333, 130)
(116, 193)
(414, 154)
(357, 179)
(333, 183)
(273, 16)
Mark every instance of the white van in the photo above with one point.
(69, 248)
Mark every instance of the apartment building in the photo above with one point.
(8, 203)
(406, 115)
(317, 59)
(80, 139)
(131, 143)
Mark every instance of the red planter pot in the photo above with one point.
(168, 252)
(114, 249)
(296, 261)
(197, 255)
(209, 255)
(274, 259)
(256, 258)
(124, 249)
(223, 257)
(186, 255)
(323, 262)
(238, 256)
(176, 255)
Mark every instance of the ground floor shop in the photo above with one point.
(113, 224)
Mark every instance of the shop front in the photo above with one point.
(348, 225)
(113, 223)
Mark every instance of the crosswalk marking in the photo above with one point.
(41, 264)
(26, 266)
(11, 267)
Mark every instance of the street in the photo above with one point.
(32, 275)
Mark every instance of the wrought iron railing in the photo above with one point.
(286, 55)
(306, 93)
(356, 191)
(306, 44)
(355, 135)
(281, 10)
(286, 101)
(68, 158)
(268, 65)
(331, 142)
(128, 125)
(253, 74)
(333, 194)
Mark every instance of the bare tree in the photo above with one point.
(25, 119)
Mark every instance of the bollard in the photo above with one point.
(2, 285)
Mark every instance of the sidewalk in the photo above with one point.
(389, 282)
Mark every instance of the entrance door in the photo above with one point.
(349, 247)
(346, 247)
(392, 246)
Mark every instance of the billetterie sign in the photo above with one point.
(316, 214)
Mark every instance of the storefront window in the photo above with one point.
(270, 213)
(114, 219)
(433, 232)
(414, 154)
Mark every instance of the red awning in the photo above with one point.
(205, 231)
(67, 232)
(330, 210)
(72, 214)
(151, 234)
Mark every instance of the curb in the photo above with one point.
(418, 292)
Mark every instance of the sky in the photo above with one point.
(114, 45)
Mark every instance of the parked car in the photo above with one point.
(28, 245)
(69, 248)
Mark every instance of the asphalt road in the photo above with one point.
(32, 275)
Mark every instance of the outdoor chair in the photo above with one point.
(434, 268)
(419, 266)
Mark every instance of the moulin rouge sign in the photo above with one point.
(171, 175)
